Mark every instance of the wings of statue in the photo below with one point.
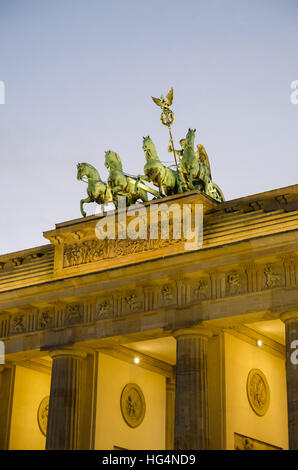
(164, 103)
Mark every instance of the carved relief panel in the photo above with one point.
(167, 294)
(133, 301)
(104, 308)
(272, 276)
(74, 314)
(235, 282)
(200, 289)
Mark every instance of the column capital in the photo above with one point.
(292, 315)
(200, 331)
(6, 366)
(170, 384)
(75, 353)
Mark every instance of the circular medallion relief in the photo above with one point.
(42, 415)
(133, 405)
(258, 392)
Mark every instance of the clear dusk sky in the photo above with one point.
(79, 76)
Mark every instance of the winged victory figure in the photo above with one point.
(162, 102)
(202, 156)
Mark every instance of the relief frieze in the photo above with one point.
(84, 252)
(90, 251)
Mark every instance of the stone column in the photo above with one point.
(291, 327)
(191, 401)
(7, 374)
(170, 413)
(64, 406)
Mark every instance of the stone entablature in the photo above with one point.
(197, 288)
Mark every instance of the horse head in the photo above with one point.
(112, 160)
(149, 149)
(81, 170)
(85, 169)
(190, 138)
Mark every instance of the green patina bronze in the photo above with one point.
(164, 178)
(121, 184)
(196, 169)
(97, 190)
(194, 172)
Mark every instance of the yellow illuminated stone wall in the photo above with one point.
(272, 428)
(111, 429)
(30, 388)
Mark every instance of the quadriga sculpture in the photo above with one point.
(122, 184)
(97, 190)
(164, 178)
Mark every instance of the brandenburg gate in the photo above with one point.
(142, 344)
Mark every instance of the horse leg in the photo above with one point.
(161, 181)
(101, 207)
(142, 194)
(116, 189)
(115, 201)
(191, 174)
(179, 186)
(160, 189)
(83, 201)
